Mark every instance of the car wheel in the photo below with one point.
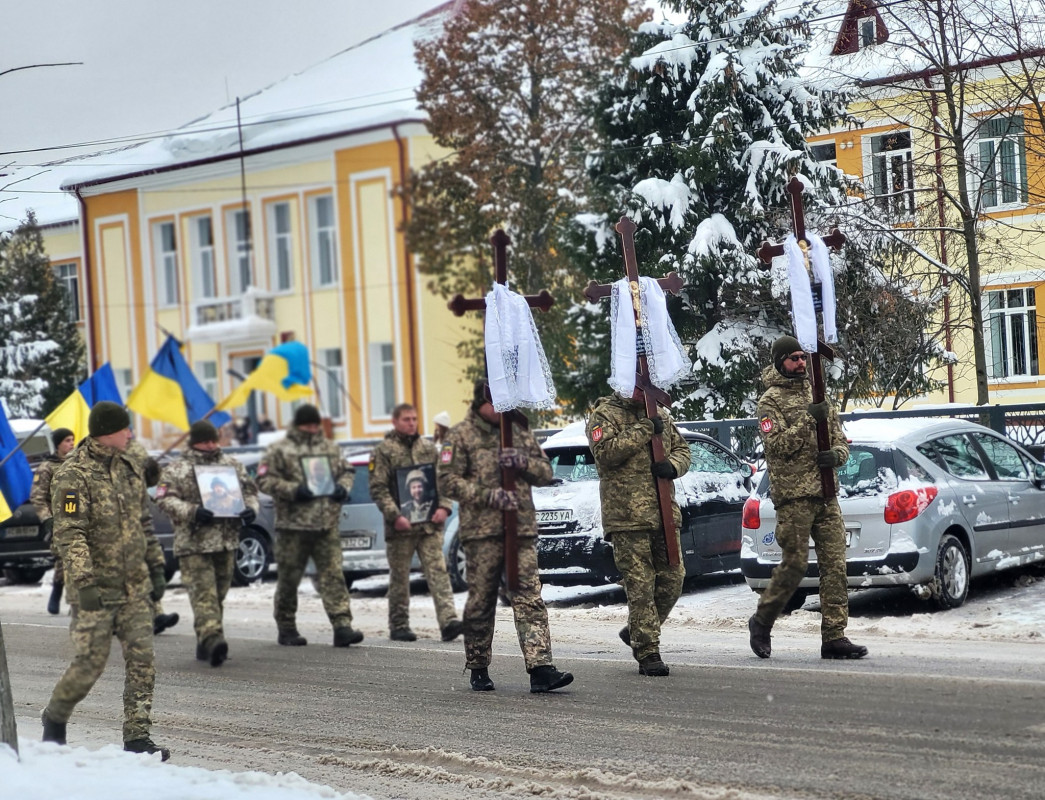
(24, 574)
(456, 565)
(951, 580)
(253, 557)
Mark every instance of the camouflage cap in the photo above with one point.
(415, 475)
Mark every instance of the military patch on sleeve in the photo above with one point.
(446, 455)
(161, 491)
(596, 433)
(766, 424)
(71, 502)
(373, 462)
(263, 470)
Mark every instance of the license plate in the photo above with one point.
(356, 543)
(555, 516)
(848, 539)
(21, 532)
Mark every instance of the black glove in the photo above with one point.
(827, 459)
(248, 515)
(90, 598)
(502, 500)
(658, 424)
(203, 516)
(152, 472)
(819, 411)
(303, 493)
(664, 469)
(47, 528)
(340, 493)
(159, 585)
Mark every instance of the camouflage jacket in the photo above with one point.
(178, 495)
(102, 523)
(789, 436)
(280, 473)
(469, 468)
(394, 453)
(619, 433)
(40, 495)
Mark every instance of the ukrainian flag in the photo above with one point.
(170, 393)
(285, 371)
(76, 408)
(16, 476)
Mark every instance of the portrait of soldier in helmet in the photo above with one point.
(220, 491)
(417, 496)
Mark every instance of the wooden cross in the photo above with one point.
(644, 388)
(459, 304)
(767, 252)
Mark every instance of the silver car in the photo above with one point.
(928, 504)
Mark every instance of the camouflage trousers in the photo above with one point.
(91, 635)
(59, 571)
(484, 565)
(207, 576)
(293, 550)
(400, 548)
(651, 585)
(797, 521)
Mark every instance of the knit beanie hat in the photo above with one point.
(782, 348)
(442, 418)
(107, 417)
(202, 430)
(306, 415)
(59, 435)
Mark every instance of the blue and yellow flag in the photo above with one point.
(285, 371)
(16, 476)
(170, 393)
(76, 408)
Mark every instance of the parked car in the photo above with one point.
(928, 504)
(570, 546)
(25, 547)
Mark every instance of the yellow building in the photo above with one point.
(273, 219)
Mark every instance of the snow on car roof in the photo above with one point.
(893, 430)
(572, 435)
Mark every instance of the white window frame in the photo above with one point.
(124, 382)
(67, 276)
(895, 163)
(1002, 171)
(861, 30)
(1010, 333)
(323, 242)
(280, 248)
(333, 380)
(165, 264)
(207, 375)
(240, 259)
(382, 368)
(204, 268)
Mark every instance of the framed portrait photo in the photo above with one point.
(220, 490)
(416, 488)
(319, 475)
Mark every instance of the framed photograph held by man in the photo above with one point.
(417, 494)
(319, 476)
(220, 490)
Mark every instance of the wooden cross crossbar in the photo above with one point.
(459, 304)
(644, 388)
(767, 252)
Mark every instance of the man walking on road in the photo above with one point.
(64, 441)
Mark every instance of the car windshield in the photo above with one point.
(706, 457)
(573, 464)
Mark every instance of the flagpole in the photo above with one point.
(21, 444)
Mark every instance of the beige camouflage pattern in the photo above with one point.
(293, 550)
(280, 474)
(178, 496)
(789, 435)
(207, 577)
(468, 470)
(394, 453)
(40, 494)
(619, 433)
(652, 586)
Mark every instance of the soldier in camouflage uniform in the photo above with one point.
(40, 496)
(205, 544)
(103, 529)
(787, 418)
(619, 433)
(403, 448)
(470, 463)
(307, 526)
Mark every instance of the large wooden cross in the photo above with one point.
(651, 395)
(459, 304)
(767, 252)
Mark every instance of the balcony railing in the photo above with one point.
(252, 315)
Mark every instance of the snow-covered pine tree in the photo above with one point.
(41, 350)
(701, 132)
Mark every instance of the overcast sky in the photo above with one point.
(150, 66)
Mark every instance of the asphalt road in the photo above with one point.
(917, 720)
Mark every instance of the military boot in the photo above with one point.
(201, 652)
(547, 678)
(625, 635)
(653, 667)
(842, 648)
(54, 603)
(402, 635)
(53, 731)
(760, 642)
(161, 622)
(291, 638)
(147, 746)
(347, 635)
(217, 650)
(480, 680)
(453, 629)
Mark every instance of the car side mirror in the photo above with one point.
(1039, 475)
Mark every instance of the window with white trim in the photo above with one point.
(824, 153)
(892, 173)
(323, 240)
(1012, 333)
(238, 241)
(868, 28)
(382, 378)
(280, 247)
(207, 375)
(201, 248)
(333, 380)
(65, 276)
(124, 382)
(1003, 162)
(165, 263)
